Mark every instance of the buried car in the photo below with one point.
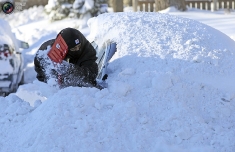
(167, 91)
(11, 60)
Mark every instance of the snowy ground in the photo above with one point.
(171, 87)
(220, 20)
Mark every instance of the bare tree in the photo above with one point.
(163, 4)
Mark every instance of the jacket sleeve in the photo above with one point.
(39, 65)
(82, 76)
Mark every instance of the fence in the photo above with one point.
(153, 5)
(210, 5)
(146, 5)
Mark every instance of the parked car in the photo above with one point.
(11, 60)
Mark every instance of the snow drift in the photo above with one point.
(170, 88)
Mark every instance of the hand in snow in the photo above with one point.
(63, 68)
(59, 76)
(63, 72)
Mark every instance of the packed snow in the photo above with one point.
(170, 88)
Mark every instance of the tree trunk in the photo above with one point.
(118, 5)
(134, 5)
(178, 4)
(214, 5)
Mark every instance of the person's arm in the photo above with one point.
(39, 65)
(74, 75)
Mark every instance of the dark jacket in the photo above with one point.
(82, 71)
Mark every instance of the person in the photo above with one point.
(77, 67)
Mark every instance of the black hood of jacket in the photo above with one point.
(85, 55)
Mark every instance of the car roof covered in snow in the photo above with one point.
(6, 35)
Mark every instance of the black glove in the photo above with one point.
(61, 71)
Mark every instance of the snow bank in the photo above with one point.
(182, 46)
(170, 88)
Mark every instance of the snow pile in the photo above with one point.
(170, 88)
(177, 45)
